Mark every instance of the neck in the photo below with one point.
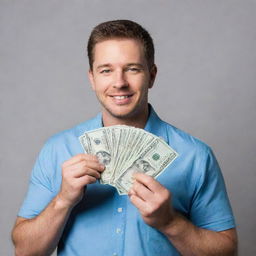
(138, 121)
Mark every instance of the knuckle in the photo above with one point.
(91, 157)
(81, 155)
(64, 176)
(148, 211)
(146, 214)
(135, 185)
(161, 200)
(155, 206)
(166, 194)
(65, 173)
(101, 167)
(78, 157)
(63, 165)
(87, 170)
(90, 179)
(87, 179)
(84, 164)
(148, 179)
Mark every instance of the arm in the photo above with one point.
(153, 202)
(40, 235)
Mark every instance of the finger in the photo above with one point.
(78, 158)
(83, 168)
(138, 203)
(142, 191)
(148, 181)
(84, 180)
(92, 158)
(131, 192)
(94, 165)
(86, 172)
(86, 163)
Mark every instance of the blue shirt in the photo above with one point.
(104, 223)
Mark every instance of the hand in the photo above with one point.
(152, 200)
(77, 172)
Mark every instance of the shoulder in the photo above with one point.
(65, 144)
(184, 141)
(195, 158)
(70, 135)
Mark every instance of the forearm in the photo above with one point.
(190, 240)
(40, 236)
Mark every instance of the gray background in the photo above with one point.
(206, 56)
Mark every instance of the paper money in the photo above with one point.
(125, 150)
(96, 143)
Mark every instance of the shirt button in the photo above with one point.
(118, 230)
(120, 209)
(114, 254)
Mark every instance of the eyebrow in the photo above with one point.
(135, 64)
(103, 66)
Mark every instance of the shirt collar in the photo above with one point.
(155, 125)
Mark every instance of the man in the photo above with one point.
(184, 212)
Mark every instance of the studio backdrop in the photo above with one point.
(206, 58)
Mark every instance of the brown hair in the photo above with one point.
(121, 29)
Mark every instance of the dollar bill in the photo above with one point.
(152, 161)
(96, 142)
(125, 150)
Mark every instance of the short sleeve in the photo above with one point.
(39, 192)
(210, 206)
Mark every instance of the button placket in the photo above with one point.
(119, 228)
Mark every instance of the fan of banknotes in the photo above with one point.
(125, 150)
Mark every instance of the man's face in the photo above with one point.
(121, 78)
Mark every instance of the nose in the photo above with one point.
(120, 79)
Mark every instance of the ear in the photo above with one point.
(153, 72)
(91, 78)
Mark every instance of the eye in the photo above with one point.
(105, 71)
(133, 70)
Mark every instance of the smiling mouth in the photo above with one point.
(121, 97)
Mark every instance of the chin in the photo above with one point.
(122, 114)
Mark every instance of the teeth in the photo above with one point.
(120, 97)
